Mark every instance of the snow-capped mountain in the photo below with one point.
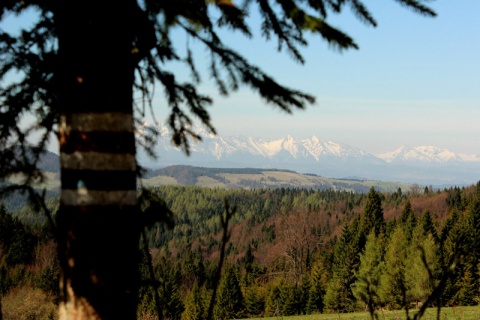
(424, 164)
(285, 148)
(425, 154)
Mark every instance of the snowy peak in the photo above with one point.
(290, 148)
(424, 154)
(282, 149)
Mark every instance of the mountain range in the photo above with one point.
(427, 165)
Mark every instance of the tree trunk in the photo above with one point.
(97, 228)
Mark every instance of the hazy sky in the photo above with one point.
(414, 81)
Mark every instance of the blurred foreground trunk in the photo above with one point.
(97, 233)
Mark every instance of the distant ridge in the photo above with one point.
(251, 178)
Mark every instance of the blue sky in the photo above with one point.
(414, 81)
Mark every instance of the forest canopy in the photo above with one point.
(291, 251)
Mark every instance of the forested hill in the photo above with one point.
(297, 251)
(290, 251)
(250, 178)
(225, 178)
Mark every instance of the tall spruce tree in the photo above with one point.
(318, 285)
(254, 301)
(392, 281)
(367, 286)
(372, 218)
(408, 220)
(194, 307)
(229, 304)
(428, 226)
(338, 295)
(421, 266)
(78, 66)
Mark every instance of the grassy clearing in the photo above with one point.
(209, 182)
(160, 181)
(456, 313)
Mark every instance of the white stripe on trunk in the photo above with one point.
(97, 161)
(84, 197)
(88, 122)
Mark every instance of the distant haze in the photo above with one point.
(420, 164)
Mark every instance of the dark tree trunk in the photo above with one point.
(98, 234)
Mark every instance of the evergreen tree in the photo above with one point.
(428, 226)
(367, 286)
(392, 281)
(248, 260)
(303, 294)
(170, 295)
(319, 281)
(229, 302)
(274, 300)
(372, 218)
(474, 217)
(466, 290)
(289, 299)
(454, 245)
(421, 279)
(463, 242)
(194, 307)
(474, 228)
(408, 220)
(254, 301)
(339, 296)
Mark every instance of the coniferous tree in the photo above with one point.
(465, 282)
(454, 245)
(254, 301)
(303, 294)
(339, 296)
(372, 218)
(272, 301)
(474, 228)
(428, 225)
(170, 295)
(466, 290)
(194, 307)
(474, 223)
(421, 266)
(408, 220)
(229, 302)
(289, 299)
(248, 260)
(367, 286)
(319, 281)
(392, 281)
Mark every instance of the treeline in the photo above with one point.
(188, 175)
(290, 251)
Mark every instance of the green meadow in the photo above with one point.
(457, 313)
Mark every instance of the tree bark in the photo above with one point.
(97, 228)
